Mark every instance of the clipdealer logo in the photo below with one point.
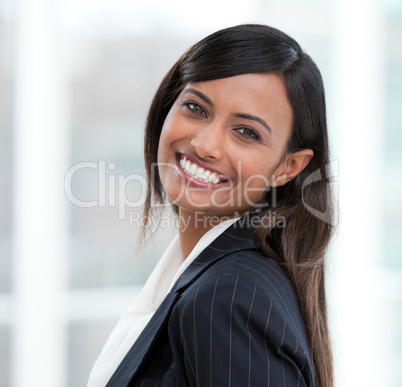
(112, 190)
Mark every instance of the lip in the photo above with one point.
(199, 183)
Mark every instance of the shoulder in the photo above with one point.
(254, 267)
(247, 269)
(250, 285)
(242, 310)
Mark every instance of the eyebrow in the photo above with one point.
(199, 94)
(238, 115)
(254, 118)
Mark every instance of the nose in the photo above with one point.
(209, 142)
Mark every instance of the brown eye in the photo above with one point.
(249, 134)
(195, 108)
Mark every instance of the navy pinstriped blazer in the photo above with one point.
(231, 319)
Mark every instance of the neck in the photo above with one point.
(191, 229)
(192, 226)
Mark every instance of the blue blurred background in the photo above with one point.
(76, 80)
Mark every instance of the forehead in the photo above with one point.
(270, 86)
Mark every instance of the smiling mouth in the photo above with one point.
(199, 173)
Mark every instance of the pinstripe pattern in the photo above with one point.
(231, 320)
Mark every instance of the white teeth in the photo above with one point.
(193, 170)
(212, 177)
(199, 173)
(202, 178)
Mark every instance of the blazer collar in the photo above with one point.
(237, 237)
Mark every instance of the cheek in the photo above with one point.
(257, 171)
(161, 148)
(255, 187)
(171, 133)
(164, 142)
(258, 174)
(254, 181)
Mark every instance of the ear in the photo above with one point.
(293, 164)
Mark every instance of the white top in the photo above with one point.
(134, 320)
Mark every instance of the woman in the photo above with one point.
(236, 140)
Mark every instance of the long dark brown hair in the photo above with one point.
(305, 202)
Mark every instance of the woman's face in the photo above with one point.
(223, 143)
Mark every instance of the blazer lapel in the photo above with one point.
(237, 237)
(137, 353)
